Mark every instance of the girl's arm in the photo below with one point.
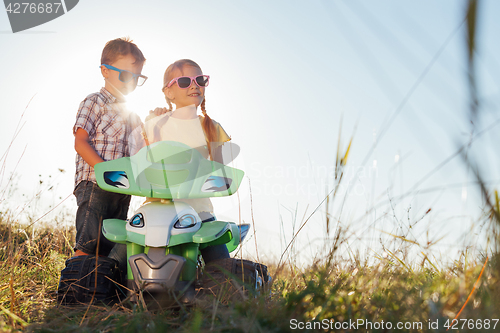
(84, 149)
(217, 152)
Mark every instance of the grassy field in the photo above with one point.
(330, 295)
(386, 292)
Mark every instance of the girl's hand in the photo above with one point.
(156, 112)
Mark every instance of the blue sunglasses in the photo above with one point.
(125, 76)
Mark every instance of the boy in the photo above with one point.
(101, 131)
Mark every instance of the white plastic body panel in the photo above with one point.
(159, 219)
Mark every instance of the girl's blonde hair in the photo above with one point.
(208, 125)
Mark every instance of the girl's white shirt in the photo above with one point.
(182, 127)
(187, 131)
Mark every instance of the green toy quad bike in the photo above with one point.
(163, 238)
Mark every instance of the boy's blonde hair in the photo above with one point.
(121, 47)
(208, 125)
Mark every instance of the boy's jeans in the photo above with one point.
(94, 206)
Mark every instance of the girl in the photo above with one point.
(184, 85)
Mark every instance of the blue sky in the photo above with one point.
(283, 76)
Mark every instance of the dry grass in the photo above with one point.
(331, 289)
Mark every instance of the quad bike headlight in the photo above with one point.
(137, 221)
(185, 221)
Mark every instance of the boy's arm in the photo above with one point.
(84, 149)
(155, 113)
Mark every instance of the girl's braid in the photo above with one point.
(209, 128)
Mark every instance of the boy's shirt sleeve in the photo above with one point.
(86, 118)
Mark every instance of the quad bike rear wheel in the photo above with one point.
(234, 279)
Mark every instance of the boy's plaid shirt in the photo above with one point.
(108, 125)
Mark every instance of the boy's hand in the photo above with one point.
(84, 149)
(156, 112)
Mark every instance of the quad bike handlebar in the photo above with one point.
(168, 170)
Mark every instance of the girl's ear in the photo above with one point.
(169, 94)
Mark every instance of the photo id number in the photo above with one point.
(26, 7)
(471, 324)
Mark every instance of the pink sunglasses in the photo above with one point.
(185, 82)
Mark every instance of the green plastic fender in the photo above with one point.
(210, 233)
(218, 232)
(115, 230)
(233, 244)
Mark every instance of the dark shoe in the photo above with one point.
(79, 283)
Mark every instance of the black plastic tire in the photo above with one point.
(232, 279)
(267, 280)
(79, 285)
